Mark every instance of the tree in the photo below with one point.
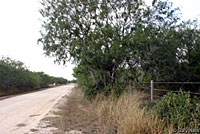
(94, 34)
(111, 40)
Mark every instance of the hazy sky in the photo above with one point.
(19, 32)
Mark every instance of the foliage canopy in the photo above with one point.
(116, 42)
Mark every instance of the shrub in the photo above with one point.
(178, 110)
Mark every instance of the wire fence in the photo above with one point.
(165, 86)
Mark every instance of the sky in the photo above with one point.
(20, 23)
(190, 9)
(19, 31)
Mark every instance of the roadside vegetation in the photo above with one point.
(180, 111)
(113, 49)
(105, 115)
(128, 114)
(117, 45)
(16, 78)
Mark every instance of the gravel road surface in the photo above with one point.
(22, 114)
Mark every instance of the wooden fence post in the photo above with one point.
(152, 87)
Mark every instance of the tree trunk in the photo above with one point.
(92, 75)
(113, 75)
(130, 87)
(104, 80)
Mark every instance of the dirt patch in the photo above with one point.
(75, 116)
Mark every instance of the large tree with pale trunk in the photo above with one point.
(113, 42)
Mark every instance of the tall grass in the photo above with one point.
(107, 115)
(126, 115)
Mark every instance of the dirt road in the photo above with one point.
(21, 114)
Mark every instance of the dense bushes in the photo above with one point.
(180, 111)
(112, 48)
(15, 77)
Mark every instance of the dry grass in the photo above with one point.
(76, 114)
(106, 115)
(126, 116)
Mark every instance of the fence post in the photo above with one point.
(152, 87)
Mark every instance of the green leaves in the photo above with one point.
(108, 38)
(180, 110)
(14, 78)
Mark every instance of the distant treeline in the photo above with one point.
(15, 78)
